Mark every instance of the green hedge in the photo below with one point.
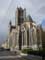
(26, 50)
(34, 52)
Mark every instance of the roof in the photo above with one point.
(12, 27)
(30, 18)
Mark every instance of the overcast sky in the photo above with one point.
(36, 8)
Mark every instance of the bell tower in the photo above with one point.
(20, 16)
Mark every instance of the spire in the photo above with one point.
(10, 23)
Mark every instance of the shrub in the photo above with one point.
(34, 52)
(26, 50)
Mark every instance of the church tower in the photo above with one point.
(20, 16)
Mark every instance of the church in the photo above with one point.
(25, 33)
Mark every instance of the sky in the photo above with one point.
(36, 9)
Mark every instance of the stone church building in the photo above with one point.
(24, 34)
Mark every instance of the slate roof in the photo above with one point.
(12, 27)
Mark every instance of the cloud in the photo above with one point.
(41, 11)
(36, 8)
(2, 13)
(4, 4)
